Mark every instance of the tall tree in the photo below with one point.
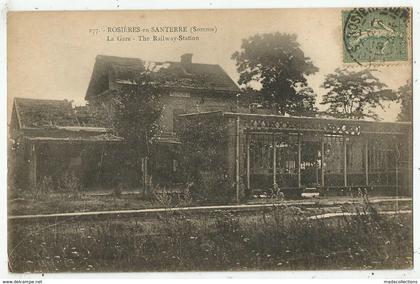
(137, 110)
(276, 62)
(355, 94)
(405, 96)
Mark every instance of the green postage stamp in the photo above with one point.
(376, 35)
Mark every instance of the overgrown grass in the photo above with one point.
(45, 199)
(279, 238)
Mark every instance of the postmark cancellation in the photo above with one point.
(376, 35)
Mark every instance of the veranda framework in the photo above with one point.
(334, 155)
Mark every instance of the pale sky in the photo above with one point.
(51, 54)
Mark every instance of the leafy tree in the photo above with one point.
(137, 110)
(304, 106)
(405, 96)
(276, 62)
(355, 94)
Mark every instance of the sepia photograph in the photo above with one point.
(210, 140)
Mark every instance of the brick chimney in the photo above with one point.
(186, 58)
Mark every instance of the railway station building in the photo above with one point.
(334, 156)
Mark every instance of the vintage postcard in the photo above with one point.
(210, 140)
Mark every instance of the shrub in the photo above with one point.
(213, 188)
(163, 197)
(174, 198)
(70, 185)
(185, 198)
(118, 190)
(45, 186)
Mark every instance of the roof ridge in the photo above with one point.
(41, 100)
(22, 98)
(193, 63)
(215, 77)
